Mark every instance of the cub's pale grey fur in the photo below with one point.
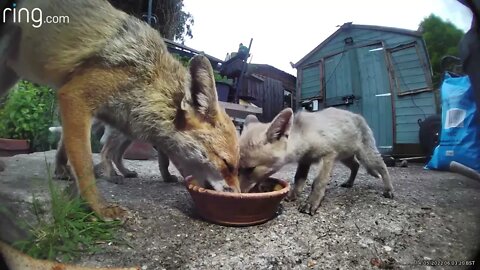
(320, 137)
(115, 143)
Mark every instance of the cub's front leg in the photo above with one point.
(300, 179)
(319, 185)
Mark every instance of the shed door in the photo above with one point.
(339, 90)
(376, 96)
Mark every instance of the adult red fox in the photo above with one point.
(108, 64)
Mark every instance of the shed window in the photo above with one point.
(409, 71)
(311, 105)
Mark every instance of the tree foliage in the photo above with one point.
(441, 38)
(172, 21)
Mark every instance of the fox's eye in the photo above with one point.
(248, 170)
(229, 166)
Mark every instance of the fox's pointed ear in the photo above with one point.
(203, 94)
(281, 125)
(250, 119)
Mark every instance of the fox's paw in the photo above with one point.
(111, 212)
(98, 170)
(130, 174)
(310, 206)
(171, 179)
(346, 185)
(63, 172)
(388, 194)
(292, 196)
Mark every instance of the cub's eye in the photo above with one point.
(248, 170)
(230, 167)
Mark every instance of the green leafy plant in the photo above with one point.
(70, 231)
(218, 78)
(183, 59)
(27, 113)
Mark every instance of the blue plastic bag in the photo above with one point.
(460, 135)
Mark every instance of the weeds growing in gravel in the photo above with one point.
(68, 230)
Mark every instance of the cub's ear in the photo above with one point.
(202, 97)
(280, 125)
(250, 119)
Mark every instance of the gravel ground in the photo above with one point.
(434, 216)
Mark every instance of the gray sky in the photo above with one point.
(286, 30)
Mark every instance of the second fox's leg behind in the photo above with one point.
(353, 165)
(122, 143)
(62, 170)
(163, 163)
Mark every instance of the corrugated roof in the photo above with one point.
(350, 26)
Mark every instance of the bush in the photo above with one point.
(27, 113)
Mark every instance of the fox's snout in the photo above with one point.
(233, 183)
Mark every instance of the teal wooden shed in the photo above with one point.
(382, 73)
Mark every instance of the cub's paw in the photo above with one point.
(130, 174)
(171, 179)
(63, 172)
(292, 196)
(346, 185)
(99, 170)
(310, 206)
(388, 194)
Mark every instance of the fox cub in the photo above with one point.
(320, 137)
(115, 143)
(108, 64)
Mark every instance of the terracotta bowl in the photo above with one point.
(237, 209)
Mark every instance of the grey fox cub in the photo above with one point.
(320, 137)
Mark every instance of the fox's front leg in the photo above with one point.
(76, 114)
(319, 186)
(300, 179)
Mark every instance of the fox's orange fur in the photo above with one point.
(18, 261)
